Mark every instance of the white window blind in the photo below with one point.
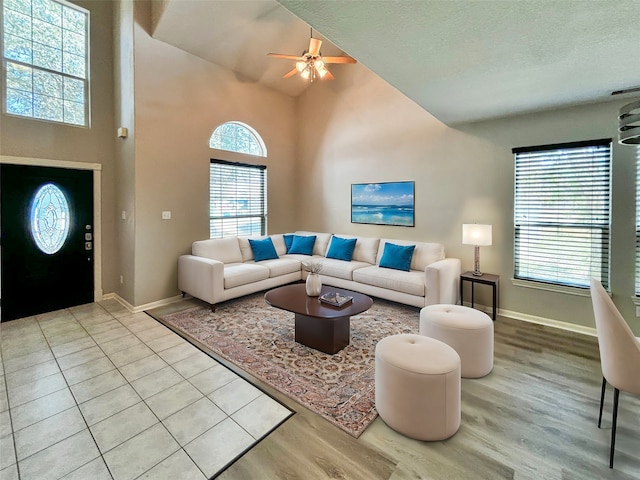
(237, 199)
(562, 213)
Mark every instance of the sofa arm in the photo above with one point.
(442, 281)
(201, 277)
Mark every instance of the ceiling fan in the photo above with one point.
(311, 64)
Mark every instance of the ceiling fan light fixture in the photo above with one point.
(311, 65)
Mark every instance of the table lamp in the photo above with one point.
(476, 235)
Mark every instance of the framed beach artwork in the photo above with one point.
(387, 203)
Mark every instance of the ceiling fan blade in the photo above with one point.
(314, 46)
(290, 73)
(328, 76)
(339, 60)
(288, 57)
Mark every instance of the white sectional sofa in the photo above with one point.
(222, 269)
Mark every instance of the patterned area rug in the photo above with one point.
(260, 340)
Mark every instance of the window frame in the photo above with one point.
(246, 170)
(585, 218)
(37, 68)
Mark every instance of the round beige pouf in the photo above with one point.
(417, 384)
(468, 331)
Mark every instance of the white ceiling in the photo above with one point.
(461, 60)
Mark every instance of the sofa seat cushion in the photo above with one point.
(236, 274)
(304, 258)
(340, 268)
(411, 282)
(281, 266)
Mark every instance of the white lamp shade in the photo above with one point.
(476, 234)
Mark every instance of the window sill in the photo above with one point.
(580, 292)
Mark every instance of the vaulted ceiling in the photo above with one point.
(461, 60)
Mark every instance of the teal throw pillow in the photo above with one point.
(288, 239)
(341, 248)
(302, 245)
(263, 249)
(397, 257)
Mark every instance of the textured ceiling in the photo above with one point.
(461, 60)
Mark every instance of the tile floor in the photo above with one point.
(95, 392)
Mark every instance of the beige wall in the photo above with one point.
(23, 137)
(360, 129)
(179, 100)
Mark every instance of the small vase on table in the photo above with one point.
(314, 285)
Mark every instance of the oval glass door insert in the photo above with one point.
(50, 218)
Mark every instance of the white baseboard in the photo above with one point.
(141, 308)
(549, 322)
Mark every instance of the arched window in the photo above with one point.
(238, 137)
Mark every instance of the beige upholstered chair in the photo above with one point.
(619, 353)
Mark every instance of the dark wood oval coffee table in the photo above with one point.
(317, 324)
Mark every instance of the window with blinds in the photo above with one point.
(562, 213)
(237, 199)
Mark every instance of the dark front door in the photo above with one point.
(47, 239)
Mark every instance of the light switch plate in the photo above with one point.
(166, 215)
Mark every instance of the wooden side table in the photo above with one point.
(485, 279)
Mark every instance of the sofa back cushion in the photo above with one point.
(288, 240)
(423, 255)
(366, 248)
(247, 251)
(263, 249)
(225, 250)
(341, 248)
(397, 257)
(322, 241)
(302, 245)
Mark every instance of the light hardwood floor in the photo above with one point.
(533, 417)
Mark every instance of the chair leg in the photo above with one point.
(616, 394)
(604, 385)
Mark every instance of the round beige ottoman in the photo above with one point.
(468, 331)
(417, 385)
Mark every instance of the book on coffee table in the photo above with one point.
(335, 299)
